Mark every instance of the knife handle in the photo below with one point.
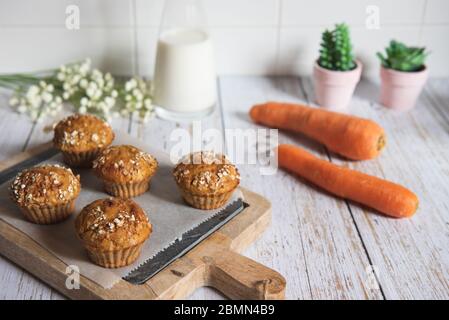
(239, 277)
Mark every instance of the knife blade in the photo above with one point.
(186, 243)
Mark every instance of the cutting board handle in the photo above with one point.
(239, 277)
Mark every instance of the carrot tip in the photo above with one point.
(381, 142)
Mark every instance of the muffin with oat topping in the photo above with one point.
(206, 179)
(126, 171)
(113, 231)
(81, 137)
(46, 194)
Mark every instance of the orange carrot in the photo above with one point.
(387, 197)
(349, 136)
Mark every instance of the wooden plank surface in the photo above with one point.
(321, 245)
(313, 238)
(410, 255)
(215, 262)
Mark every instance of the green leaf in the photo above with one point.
(336, 49)
(403, 58)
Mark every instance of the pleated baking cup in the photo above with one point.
(126, 190)
(81, 159)
(206, 202)
(114, 259)
(48, 214)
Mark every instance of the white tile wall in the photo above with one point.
(254, 37)
(220, 13)
(439, 49)
(245, 50)
(36, 49)
(368, 42)
(437, 12)
(325, 12)
(52, 12)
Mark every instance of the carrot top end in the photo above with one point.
(381, 142)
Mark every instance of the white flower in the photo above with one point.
(32, 91)
(22, 109)
(47, 97)
(91, 91)
(84, 83)
(84, 101)
(76, 78)
(100, 82)
(38, 101)
(109, 101)
(137, 98)
(131, 84)
(14, 101)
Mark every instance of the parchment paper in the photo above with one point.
(170, 217)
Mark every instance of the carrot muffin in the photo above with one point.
(46, 194)
(113, 231)
(125, 170)
(81, 137)
(206, 179)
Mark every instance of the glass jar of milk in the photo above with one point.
(184, 74)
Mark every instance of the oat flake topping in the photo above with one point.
(45, 184)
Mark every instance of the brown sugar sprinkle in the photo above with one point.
(45, 183)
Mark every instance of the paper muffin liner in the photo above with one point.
(115, 259)
(207, 202)
(81, 159)
(126, 190)
(48, 214)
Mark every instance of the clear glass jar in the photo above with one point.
(184, 76)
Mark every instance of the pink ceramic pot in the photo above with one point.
(334, 89)
(399, 90)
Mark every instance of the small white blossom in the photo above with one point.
(88, 90)
(14, 101)
(38, 101)
(137, 99)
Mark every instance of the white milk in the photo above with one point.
(184, 79)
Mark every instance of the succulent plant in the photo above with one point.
(336, 49)
(402, 58)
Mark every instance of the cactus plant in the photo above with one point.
(402, 58)
(336, 49)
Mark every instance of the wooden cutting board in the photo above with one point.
(215, 262)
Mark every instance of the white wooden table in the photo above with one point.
(322, 245)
